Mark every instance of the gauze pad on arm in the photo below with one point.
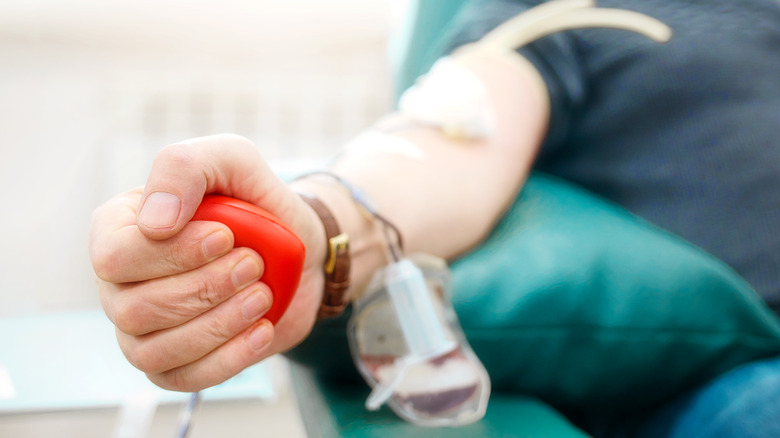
(452, 98)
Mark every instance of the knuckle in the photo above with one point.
(160, 380)
(106, 262)
(185, 251)
(207, 292)
(129, 319)
(169, 381)
(182, 254)
(218, 329)
(211, 286)
(147, 357)
(177, 379)
(176, 153)
(175, 257)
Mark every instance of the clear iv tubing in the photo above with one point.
(186, 415)
(395, 248)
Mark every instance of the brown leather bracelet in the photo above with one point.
(337, 262)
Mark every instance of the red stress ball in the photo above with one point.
(282, 251)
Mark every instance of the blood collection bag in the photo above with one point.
(408, 345)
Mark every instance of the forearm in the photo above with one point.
(444, 195)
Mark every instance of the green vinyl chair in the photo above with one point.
(584, 315)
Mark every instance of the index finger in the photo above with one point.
(121, 253)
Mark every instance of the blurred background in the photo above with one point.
(91, 90)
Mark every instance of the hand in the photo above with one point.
(187, 306)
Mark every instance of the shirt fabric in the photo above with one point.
(683, 134)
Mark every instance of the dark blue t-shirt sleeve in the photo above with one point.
(554, 56)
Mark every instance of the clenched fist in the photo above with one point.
(187, 305)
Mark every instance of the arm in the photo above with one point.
(188, 307)
(447, 197)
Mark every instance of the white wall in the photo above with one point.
(90, 90)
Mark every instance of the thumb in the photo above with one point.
(183, 172)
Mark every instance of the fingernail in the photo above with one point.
(160, 210)
(254, 305)
(245, 271)
(260, 337)
(216, 244)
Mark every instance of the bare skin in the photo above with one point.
(188, 307)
